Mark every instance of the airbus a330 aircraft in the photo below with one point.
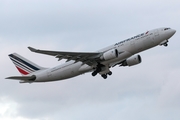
(123, 53)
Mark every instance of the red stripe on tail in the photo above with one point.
(22, 71)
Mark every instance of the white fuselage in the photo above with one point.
(126, 49)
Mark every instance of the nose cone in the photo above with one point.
(170, 33)
(173, 31)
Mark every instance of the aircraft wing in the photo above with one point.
(86, 57)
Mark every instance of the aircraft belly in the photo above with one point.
(85, 68)
(59, 73)
(67, 72)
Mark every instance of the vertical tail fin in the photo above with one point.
(23, 65)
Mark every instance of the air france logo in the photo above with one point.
(137, 36)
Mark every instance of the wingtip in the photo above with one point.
(32, 49)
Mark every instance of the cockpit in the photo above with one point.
(167, 28)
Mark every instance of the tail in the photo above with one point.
(23, 65)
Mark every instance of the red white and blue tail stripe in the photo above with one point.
(23, 65)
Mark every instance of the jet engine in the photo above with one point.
(134, 60)
(111, 54)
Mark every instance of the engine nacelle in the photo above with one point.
(111, 54)
(134, 60)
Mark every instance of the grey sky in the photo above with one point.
(150, 90)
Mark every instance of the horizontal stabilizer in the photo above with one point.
(25, 78)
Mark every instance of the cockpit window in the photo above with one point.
(166, 28)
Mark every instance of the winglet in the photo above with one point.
(32, 49)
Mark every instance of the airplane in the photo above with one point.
(123, 53)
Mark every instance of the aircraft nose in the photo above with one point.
(173, 31)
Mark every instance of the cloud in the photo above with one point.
(169, 96)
